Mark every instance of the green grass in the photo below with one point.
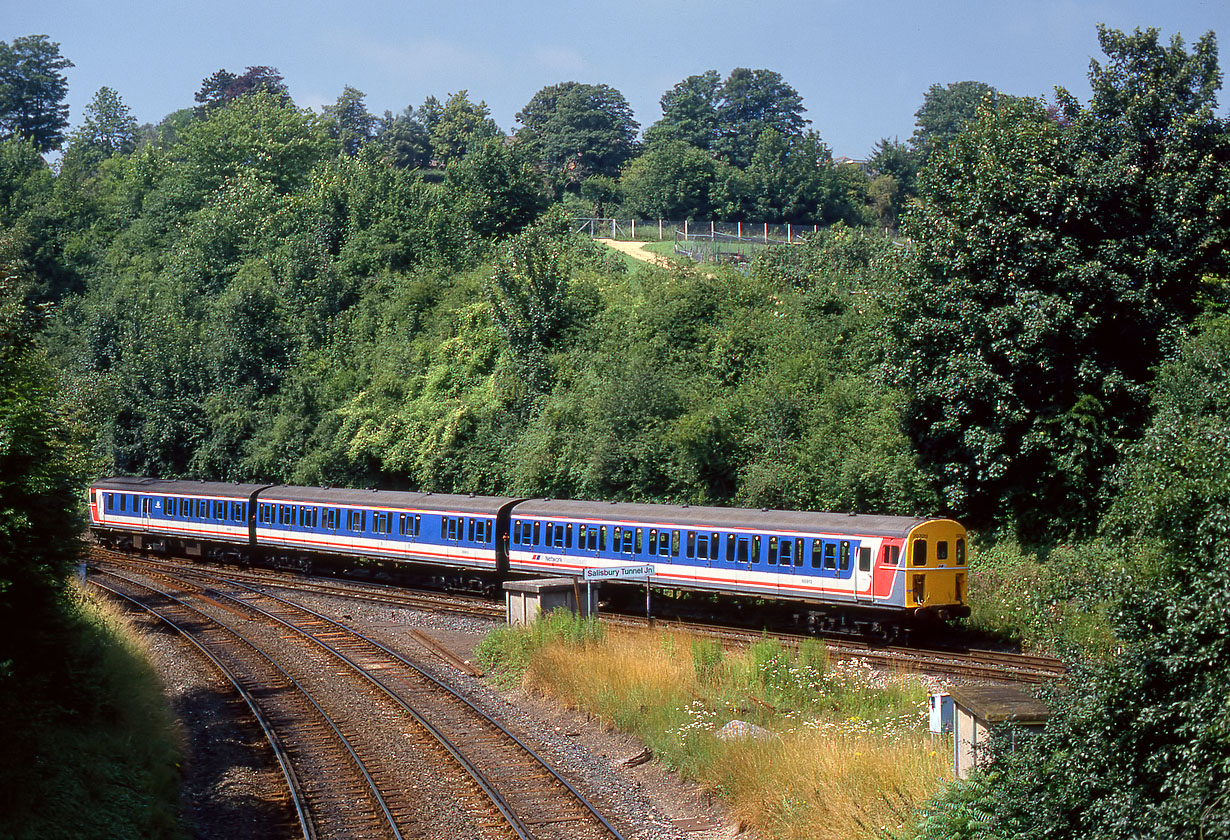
(841, 754)
(100, 759)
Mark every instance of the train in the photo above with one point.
(844, 570)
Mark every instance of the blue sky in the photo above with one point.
(861, 68)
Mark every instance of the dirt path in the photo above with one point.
(636, 250)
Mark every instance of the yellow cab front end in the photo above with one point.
(935, 569)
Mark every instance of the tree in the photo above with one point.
(405, 139)
(108, 129)
(37, 542)
(496, 190)
(1059, 261)
(528, 295)
(689, 113)
(461, 127)
(352, 124)
(578, 128)
(751, 102)
(891, 157)
(32, 91)
(1162, 698)
(945, 111)
(673, 180)
(795, 180)
(224, 87)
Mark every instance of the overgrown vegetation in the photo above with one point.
(91, 748)
(827, 739)
(253, 291)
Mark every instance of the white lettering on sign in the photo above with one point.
(619, 572)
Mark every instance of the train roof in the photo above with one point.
(177, 487)
(397, 499)
(718, 517)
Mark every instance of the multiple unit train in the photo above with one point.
(842, 568)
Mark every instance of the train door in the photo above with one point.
(862, 569)
(736, 557)
(146, 508)
(591, 539)
(380, 529)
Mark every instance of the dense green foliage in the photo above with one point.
(254, 291)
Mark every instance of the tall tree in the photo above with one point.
(461, 127)
(751, 102)
(405, 139)
(689, 113)
(109, 128)
(1060, 261)
(497, 190)
(945, 111)
(32, 91)
(353, 126)
(36, 495)
(579, 128)
(672, 180)
(223, 86)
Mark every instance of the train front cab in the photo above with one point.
(936, 571)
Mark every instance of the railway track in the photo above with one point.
(360, 706)
(955, 663)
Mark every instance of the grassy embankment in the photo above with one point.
(844, 760)
(97, 756)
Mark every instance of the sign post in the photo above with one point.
(620, 573)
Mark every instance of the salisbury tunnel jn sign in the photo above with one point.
(620, 573)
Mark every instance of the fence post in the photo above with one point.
(740, 230)
(685, 228)
(659, 230)
(613, 236)
(766, 233)
(789, 239)
(712, 229)
(634, 227)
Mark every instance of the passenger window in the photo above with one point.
(470, 530)
(674, 543)
(664, 543)
(715, 546)
(756, 549)
(798, 551)
(690, 546)
(731, 542)
(845, 556)
(773, 552)
(941, 550)
(830, 556)
(537, 533)
(602, 538)
(638, 540)
(920, 552)
(960, 552)
(817, 548)
(568, 535)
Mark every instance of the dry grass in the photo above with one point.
(844, 760)
(828, 786)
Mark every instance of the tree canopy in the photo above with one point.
(32, 91)
(579, 129)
